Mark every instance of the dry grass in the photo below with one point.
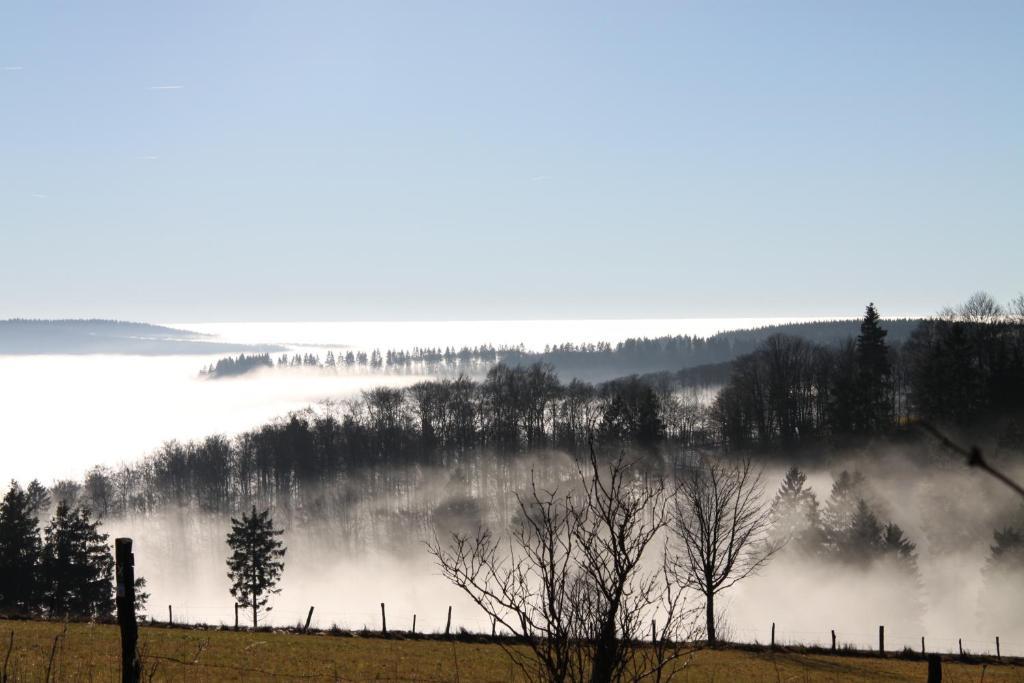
(84, 652)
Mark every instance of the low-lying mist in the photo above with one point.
(65, 414)
(947, 510)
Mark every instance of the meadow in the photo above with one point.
(56, 652)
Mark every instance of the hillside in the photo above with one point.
(23, 337)
(644, 356)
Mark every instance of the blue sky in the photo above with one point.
(435, 160)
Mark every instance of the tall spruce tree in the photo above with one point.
(874, 374)
(77, 567)
(255, 564)
(795, 515)
(39, 499)
(19, 553)
(841, 506)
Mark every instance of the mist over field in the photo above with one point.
(948, 510)
(669, 341)
(363, 465)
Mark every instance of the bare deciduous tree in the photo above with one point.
(721, 521)
(571, 578)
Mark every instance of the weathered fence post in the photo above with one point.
(414, 624)
(833, 640)
(383, 620)
(881, 639)
(922, 645)
(448, 624)
(935, 668)
(773, 634)
(236, 616)
(125, 601)
(998, 654)
(654, 631)
(960, 644)
(494, 626)
(170, 615)
(308, 618)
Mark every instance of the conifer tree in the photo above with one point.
(841, 506)
(39, 498)
(874, 371)
(19, 553)
(896, 545)
(862, 541)
(255, 564)
(77, 568)
(1008, 551)
(795, 515)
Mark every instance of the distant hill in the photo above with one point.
(23, 337)
(602, 362)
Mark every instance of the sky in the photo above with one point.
(246, 161)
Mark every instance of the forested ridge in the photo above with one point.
(788, 394)
(589, 361)
(394, 464)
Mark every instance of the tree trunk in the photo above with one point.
(254, 613)
(711, 617)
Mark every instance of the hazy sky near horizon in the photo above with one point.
(441, 160)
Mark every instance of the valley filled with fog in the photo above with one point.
(154, 398)
(363, 464)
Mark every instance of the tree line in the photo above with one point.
(66, 571)
(420, 360)
(964, 367)
(592, 361)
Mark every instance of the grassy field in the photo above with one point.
(85, 652)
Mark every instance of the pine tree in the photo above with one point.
(255, 564)
(1008, 551)
(874, 371)
(39, 498)
(77, 568)
(896, 545)
(842, 505)
(796, 518)
(862, 541)
(19, 553)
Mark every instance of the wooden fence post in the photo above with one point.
(773, 634)
(308, 618)
(654, 631)
(236, 616)
(922, 645)
(170, 615)
(383, 620)
(125, 601)
(935, 668)
(881, 639)
(414, 624)
(998, 654)
(448, 624)
(960, 644)
(833, 640)
(494, 626)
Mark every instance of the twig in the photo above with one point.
(973, 455)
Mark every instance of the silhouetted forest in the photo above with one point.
(594, 362)
(598, 362)
(962, 368)
(423, 361)
(782, 396)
